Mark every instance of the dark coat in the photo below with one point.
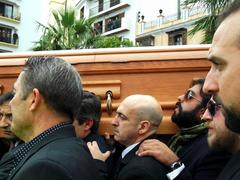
(60, 156)
(133, 167)
(6, 163)
(99, 139)
(201, 162)
(232, 169)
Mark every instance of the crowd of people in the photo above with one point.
(49, 125)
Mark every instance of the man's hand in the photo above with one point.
(158, 150)
(96, 153)
(109, 141)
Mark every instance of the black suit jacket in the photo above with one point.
(201, 162)
(60, 156)
(232, 169)
(6, 163)
(133, 167)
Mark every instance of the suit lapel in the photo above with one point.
(122, 162)
(129, 156)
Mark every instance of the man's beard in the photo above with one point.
(233, 120)
(225, 140)
(186, 119)
(232, 117)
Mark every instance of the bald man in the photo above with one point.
(137, 118)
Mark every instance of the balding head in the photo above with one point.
(145, 107)
(138, 117)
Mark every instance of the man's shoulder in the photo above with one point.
(145, 166)
(68, 156)
(99, 139)
(65, 152)
(196, 147)
(70, 146)
(199, 151)
(146, 163)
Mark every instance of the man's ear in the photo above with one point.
(144, 127)
(88, 124)
(35, 99)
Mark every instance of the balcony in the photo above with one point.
(9, 12)
(112, 23)
(187, 15)
(8, 37)
(106, 8)
(14, 19)
(114, 26)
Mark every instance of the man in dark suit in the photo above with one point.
(87, 119)
(223, 82)
(137, 118)
(188, 155)
(7, 138)
(86, 122)
(47, 93)
(220, 137)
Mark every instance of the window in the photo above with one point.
(177, 40)
(5, 34)
(6, 10)
(114, 2)
(100, 5)
(146, 41)
(177, 37)
(113, 22)
(98, 27)
(82, 12)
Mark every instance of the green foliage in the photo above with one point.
(66, 33)
(207, 24)
(112, 42)
(69, 33)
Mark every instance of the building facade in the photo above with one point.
(112, 17)
(18, 23)
(9, 25)
(172, 29)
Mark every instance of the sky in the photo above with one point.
(151, 9)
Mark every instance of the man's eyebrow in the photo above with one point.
(215, 59)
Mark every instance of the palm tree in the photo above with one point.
(207, 24)
(66, 33)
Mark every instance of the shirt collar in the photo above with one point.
(128, 149)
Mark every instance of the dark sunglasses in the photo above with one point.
(189, 95)
(213, 107)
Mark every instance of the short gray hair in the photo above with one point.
(57, 81)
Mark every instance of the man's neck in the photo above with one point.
(44, 122)
(141, 138)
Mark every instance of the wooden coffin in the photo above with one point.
(113, 74)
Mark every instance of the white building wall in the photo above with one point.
(148, 8)
(31, 11)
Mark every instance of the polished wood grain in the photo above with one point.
(163, 72)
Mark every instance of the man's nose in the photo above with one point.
(207, 116)
(211, 85)
(115, 121)
(181, 98)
